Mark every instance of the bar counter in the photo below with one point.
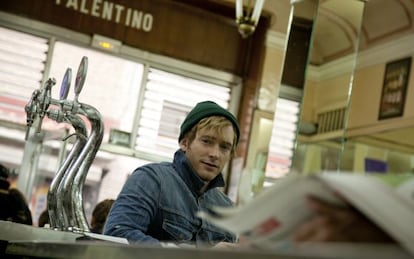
(19, 241)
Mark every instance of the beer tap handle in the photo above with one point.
(46, 96)
(65, 86)
(65, 105)
(31, 111)
(31, 108)
(44, 100)
(80, 77)
(64, 91)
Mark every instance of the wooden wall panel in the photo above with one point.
(178, 30)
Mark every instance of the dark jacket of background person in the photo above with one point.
(19, 208)
(99, 215)
(43, 218)
(4, 193)
(13, 204)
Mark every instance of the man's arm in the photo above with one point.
(134, 208)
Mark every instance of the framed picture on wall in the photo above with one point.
(394, 88)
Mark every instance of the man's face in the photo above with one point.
(209, 152)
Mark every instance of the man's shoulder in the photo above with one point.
(162, 172)
(220, 197)
(156, 165)
(154, 168)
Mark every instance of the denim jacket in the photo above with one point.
(159, 202)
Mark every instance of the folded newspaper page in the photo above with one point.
(391, 209)
(268, 220)
(273, 214)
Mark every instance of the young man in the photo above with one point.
(159, 201)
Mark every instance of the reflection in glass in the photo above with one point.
(282, 141)
(328, 85)
(375, 143)
(122, 84)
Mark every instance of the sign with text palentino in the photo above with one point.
(164, 27)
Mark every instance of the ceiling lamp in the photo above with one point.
(248, 20)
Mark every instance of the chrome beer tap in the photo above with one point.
(31, 109)
(87, 155)
(71, 186)
(58, 218)
(55, 203)
(38, 105)
(65, 201)
(73, 198)
(45, 98)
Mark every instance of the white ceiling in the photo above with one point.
(383, 21)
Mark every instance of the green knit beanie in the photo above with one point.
(203, 110)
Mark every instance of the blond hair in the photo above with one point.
(216, 123)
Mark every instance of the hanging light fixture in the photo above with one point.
(248, 20)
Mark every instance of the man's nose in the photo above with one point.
(214, 151)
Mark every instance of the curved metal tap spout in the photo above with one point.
(72, 193)
(58, 217)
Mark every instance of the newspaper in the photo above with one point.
(268, 220)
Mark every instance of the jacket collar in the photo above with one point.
(190, 177)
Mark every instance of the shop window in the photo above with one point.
(22, 64)
(168, 98)
(131, 98)
(283, 138)
(112, 84)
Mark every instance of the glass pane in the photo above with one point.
(112, 84)
(283, 138)
(167, 100)
(22, 62)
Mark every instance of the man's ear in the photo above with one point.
(184, 144)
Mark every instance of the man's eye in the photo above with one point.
(226, 148)
(207, 141)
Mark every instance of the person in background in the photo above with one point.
(19, 207)
(4, 176)
(159, 202)
(13, 203)
(99, 215)
(4, 193)
(43, 220)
